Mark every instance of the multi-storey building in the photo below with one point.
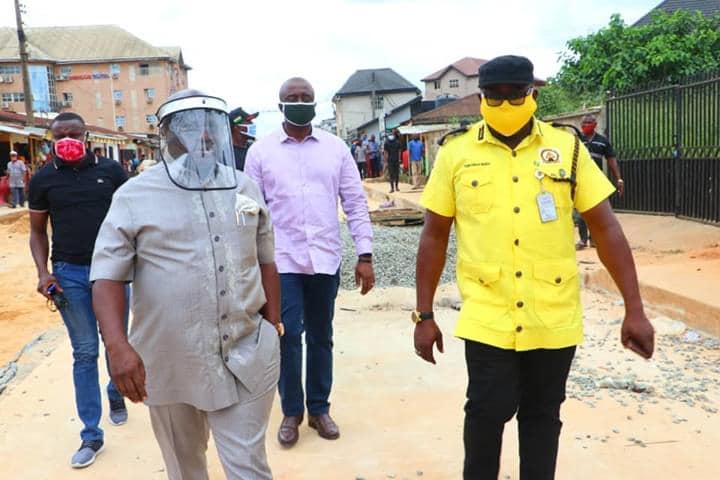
(110, 77)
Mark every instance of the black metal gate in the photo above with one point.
(668, 147)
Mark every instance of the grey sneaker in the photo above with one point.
(85, 456)
(118, 412)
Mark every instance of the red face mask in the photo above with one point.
(70, 150)
(587, 129)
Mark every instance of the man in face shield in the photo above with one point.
(194, 235)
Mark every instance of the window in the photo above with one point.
(65, 70)
(114, 69)
(67, 97)
(436, 84)
(9, 69)
(119, 121)
(144, 69)
(117, 95)
(149, 93)
(13, 97)
(454, 83)
(379, 102)
(150, 119)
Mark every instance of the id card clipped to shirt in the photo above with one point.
(545, 202)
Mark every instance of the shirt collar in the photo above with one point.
(484, 135)
(285, 138)
(58, 163)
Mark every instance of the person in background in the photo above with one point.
(391, 151)
(74, 192)
(17, 172)
(361, 159)
(240, 122)
(374, 156)
(598, 146)
(416, 150)
(302, 172)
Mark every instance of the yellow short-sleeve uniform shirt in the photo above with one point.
(517, 274)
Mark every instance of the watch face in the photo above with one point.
(415, 317)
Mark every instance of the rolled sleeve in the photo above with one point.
(114, 254)
(439, 193)
(592, 185)
(354, 204)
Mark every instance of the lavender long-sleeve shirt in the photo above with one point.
(301, 183)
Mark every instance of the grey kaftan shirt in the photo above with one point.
(193, 258)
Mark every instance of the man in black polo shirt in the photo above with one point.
(599, 147)
(74, 191)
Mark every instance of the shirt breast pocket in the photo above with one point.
(244, 237)
(475, 193)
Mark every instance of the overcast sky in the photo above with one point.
(242, 50)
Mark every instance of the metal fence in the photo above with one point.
(668, 147)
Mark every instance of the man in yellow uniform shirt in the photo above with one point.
(509, 183)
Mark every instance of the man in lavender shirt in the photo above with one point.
(301, 172)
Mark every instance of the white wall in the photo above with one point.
(352, 112)
(466, 85)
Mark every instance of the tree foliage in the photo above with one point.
(620, 57)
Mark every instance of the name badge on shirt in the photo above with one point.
(546, 207)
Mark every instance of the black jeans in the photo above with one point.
(582, 227)
(501, 383)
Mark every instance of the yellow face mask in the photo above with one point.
(507, 119)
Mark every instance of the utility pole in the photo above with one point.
(30, 118)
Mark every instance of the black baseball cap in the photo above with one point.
(510, 69)
(241, 117)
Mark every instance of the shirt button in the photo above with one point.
(222, 293)
(518, 329)
(518, 274)
(224, 316)
(558, 280)
(516, 179)
(227, 359)
(514, 153)
(212, 214)
(517, 242)
(520, 304)
(217, 238)
(516, 209)
(474, 183)
(225, 337)
(221, 268)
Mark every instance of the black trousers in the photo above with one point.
(394, 172)
(501, 383)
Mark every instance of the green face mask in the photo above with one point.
(298, 113)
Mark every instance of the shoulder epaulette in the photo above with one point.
(567, 126)
(452, 133)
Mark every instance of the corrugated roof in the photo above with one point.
(379, 80)
(94, 43)
(468, 66)
(468, 106)
(706, 7)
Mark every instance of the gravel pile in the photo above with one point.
(394, 254)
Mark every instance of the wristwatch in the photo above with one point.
(418, 317)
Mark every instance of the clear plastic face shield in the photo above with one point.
(196, 143)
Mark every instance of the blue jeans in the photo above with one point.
(308, 305)
(82, 328)
(17, 196)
